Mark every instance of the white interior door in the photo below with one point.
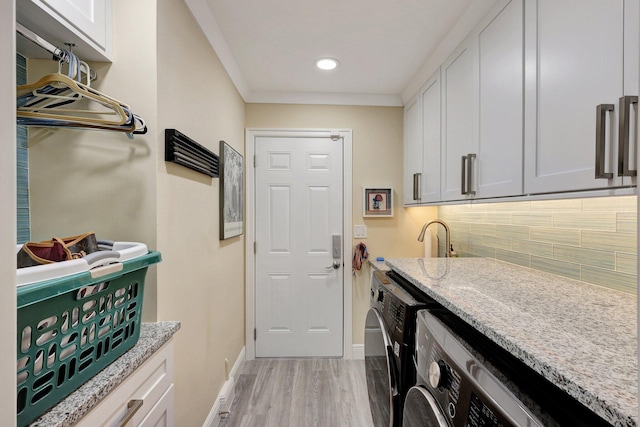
(298, 211)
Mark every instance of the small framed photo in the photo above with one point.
(378, 202)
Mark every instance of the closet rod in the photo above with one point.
(57, 53)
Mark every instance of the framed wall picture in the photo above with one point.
(378, 202)
(231, 192)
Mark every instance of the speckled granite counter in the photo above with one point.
(581, 337)
(77, 404)
(379, 265)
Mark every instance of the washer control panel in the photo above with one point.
(467, 394)
(445, 380)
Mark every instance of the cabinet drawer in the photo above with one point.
(161, 415)
(148, 383)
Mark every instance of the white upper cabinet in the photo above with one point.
(459, 114)
(412, 146)
(422, 145)
(482, 107)
(581, 58)
(498, 166)
(431, 141)
(86, 23)
(541, 97)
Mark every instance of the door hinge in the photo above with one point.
(255, 334)
(335, 135)
(254, 248)
(255, 161)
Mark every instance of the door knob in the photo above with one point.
(335, 265)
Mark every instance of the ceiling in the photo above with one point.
(269, 47)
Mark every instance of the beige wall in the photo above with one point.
(123, 190)
(103, 181)
(377, 161)
(201, 278)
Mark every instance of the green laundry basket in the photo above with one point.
(72, 327)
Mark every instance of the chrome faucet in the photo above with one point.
(446, 233)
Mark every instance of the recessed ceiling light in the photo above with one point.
(327, 63)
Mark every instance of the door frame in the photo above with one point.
(249, 235)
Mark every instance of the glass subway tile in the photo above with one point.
(615, 242)
(513, 257)
(596, 258)
(561, 236)
(610, 279)
(627, 263)
(610, 204)
(585, 220)
(561, 268)
(540, 249)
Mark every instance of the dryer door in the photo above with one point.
(380, 369)
(421, 410)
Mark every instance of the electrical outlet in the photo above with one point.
(359, 231)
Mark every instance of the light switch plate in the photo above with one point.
(359, 231)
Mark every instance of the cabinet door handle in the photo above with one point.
(132, 407)
(623, 135)
(470, 161)
(463, 179)
(416, 186)
(601, 125)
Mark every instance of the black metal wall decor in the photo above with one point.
(180, 149)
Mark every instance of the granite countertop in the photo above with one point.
(378, 265)
(581, 337)
(69, 410)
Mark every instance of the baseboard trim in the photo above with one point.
(227, 393)
(357, 351)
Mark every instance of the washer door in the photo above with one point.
(380, 369)
(421, 410)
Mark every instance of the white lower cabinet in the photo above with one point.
(161, 415)
(145, 398)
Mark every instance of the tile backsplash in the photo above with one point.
(593, 240)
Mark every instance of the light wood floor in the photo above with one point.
(300, 393)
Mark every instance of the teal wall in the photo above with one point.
(22, 157)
